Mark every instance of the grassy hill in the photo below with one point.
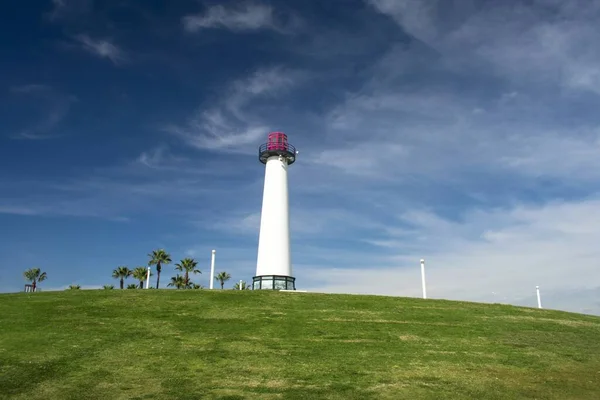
(199, 344)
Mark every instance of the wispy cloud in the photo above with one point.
(102, 48)
(30, 88)
(123, 191)
(517, 40)
(305, 223)
(73, 208)
(444, 133)
(65, 9)
(54, 107)
(211, 131)
(487, 255)
(19, 210)
(242, 17)
(228, 126)
(162, 158)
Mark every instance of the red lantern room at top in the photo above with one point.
(277, 145)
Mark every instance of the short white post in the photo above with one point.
(537, 289)
(212, 268)
(148, 279)
(423, 278)
(240, 284)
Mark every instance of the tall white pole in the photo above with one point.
(240, 284)
(423, 278)
(212, 268)
(537, 289)
(148, 279)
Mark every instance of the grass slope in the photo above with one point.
(199, 344)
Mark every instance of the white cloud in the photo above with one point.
(228, 126)
(18, 210)
(30, 88)
(413, 15)
(112, 194)
(51, 106)
(209, 131)
(161, 158)
(243, 17)
(245, 224)
(152, 159)
(67, 9)
(518, 40)
(102, 48)
(267, 81)
(305, 223)
(505, 251)
(432, 132)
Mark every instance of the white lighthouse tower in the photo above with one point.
(274, 261)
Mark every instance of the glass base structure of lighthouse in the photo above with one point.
(274, 260)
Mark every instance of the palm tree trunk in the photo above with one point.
(157, 274)
(121, 282)
(34, 285)
(186, 280)
(222, 284)
(141, 284)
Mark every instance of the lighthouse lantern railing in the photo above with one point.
(277, 145)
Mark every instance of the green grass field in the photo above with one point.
(200, 344)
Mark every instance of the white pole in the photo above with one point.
(212, 268)
(148, 279)
(240, 284)
(537, 289)
(423, 278)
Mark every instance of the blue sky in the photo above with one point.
(467, 135)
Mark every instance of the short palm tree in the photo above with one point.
(140, 273)
(108, 287)
(243, 286)
(158, 258)
(35, 275)
(73, 287)
(178, 281)
(121, 273)
(223, 277)
(188, 265)
(132, 286)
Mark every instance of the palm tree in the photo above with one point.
(35, 275)
(178, 281)
(121, 273)
(244, 286)
(188, 265)
(222, 277)
(73, 287)
(158, 258)
(196, 286)
(108, 287)
(132, 286)
(140, 273)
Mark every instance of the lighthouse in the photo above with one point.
(274, 260)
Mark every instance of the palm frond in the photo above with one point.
(159, 256)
